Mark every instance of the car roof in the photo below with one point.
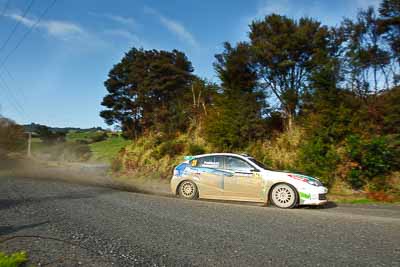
(223, 154)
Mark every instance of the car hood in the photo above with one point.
(289, 176)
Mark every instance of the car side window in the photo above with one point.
(236, 164)
(215, 162)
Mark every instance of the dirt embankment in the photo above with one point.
(82, 173)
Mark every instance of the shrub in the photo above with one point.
(373, 159)
(14, 260)
(12, 137)
(170, 148)
(98, 137)
(319, 159)
(116, 165)
(196, 149)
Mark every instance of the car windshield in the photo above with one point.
(259, 164)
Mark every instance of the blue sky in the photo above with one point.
(56, 75)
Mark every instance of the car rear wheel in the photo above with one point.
(284, 196)
(188, 190)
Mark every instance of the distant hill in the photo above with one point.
(34, 126)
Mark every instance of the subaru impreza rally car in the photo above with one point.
(230, 176)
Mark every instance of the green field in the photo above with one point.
(95, 146)
(75, 136)
(106, 150)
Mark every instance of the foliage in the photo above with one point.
(14, 260)
(12, 137)
(372, 159)
(170, 148)
(389, 11)
(195, 149)
(49, 136)
(87, 137)
(237, 116)
(147, 90)
(298, 96)
(284, 50)
(319, 158)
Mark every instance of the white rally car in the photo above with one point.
(230, 176)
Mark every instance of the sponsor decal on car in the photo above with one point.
(301, 177)
(304, 195)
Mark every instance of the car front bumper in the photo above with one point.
(314, 196)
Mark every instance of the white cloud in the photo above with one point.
(60, 29)
(124, 34)
(116, 18)
(173, 26)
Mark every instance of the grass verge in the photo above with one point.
(13, 260)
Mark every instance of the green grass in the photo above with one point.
(107, 150)
(14, 260)
(37, 144)
(73, 136)
(362, 201)
(357, 201)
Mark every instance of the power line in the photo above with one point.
(26, 34)
(16, 25)
(19, 90)
(11, 100)
(11, 94)
(15, 102)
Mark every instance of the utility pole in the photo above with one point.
(29, 144)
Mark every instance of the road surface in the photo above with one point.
(70, 224)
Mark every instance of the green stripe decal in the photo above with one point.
(304, 195)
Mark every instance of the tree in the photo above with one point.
(284, 51)
(389, 21)
(202, 96)
(146, 91)
(12, 137)
(366, 59)
(236, 118)
(48, 136)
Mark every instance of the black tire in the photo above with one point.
(188, 190)
(284, 196)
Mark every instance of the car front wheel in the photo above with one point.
(284, 196)
(188, 190)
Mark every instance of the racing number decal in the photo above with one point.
(194, 163)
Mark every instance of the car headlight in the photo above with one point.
(314, 182)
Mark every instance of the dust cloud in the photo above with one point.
(97, 174)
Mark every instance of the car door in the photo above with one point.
(245, 183)
(210, 176)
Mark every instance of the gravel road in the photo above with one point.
(68, 224)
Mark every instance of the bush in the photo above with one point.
(196, 149)
(170, 148)
(319, 159)
(116, 165)
(12, 137)
(14, 260)
(98, 137)
(79, 151)
(372, 159)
